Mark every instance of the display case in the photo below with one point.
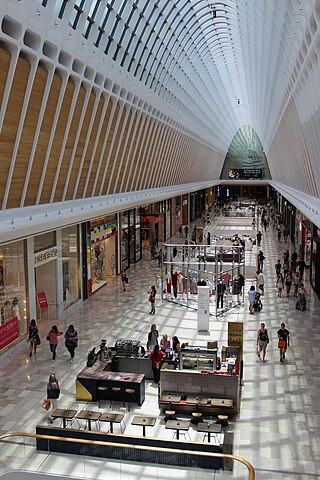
(198, 358)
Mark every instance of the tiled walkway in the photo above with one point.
(278, 428)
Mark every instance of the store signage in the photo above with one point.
(42, 300)
(150, 219)
(42, 257)
(184, 202)
(203, 308)
(235, 336)
(9, 331)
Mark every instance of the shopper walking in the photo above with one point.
(157, 357)
(251, 298)
(278, 267)
(260, 281)
(259, 237)
(153, 336)
(71, 341)
(186, 231)
(301, 267)
(33, 337)
(296, 282)
(152, 299)
(262, 341)
(124, 279)
(280, 284)
(288, 281)
(52, 338)
(283, 341)
(261, 259)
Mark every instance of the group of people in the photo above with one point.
(70, 336)
(263, 341)
(289, 275)
(158, 349)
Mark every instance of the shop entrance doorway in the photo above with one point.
(45, 281)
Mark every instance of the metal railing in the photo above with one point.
(251, 471)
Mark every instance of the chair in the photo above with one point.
(196, 418)
(114, 403)
(93, 408)
(73, 406)
(131, 393)
(170, 415)
(101, 389)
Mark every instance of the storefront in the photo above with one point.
(315, 261)
(13, 293)
(54, 272)
(150, 218)
(306, 239)
(133, 228)
(103, 251)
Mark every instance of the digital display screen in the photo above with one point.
(246, 173)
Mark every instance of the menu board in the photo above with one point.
(235, 336)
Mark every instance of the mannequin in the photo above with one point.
(168, 281)
(7, 311)
(221, 287)
(180, 283)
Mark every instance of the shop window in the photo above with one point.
(45, 241)
(12, 293)
(70, 265)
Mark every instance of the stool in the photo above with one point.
(117, 391)
(102, 388)
(131, 392)
(170, 415)
(196, 417)
(223, 420)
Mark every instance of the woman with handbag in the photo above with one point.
(52, 338)
(283, 342)
(262, 341)
(33, 337)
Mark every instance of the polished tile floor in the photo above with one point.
(278, 427)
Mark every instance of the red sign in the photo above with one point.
(42, 300)
(9, 331)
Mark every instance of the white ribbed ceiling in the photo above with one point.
(224, 63)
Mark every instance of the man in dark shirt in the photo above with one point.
(174, 281)
(283, 335)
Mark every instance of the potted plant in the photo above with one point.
(91, 357)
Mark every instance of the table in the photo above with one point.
(171, 397)
(178, 425)
(89, 416)
(222, 402)
(209, 428)
(65, 414)
(144, 421)
(111, 418)
(197, 400)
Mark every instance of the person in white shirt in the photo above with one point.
(260, 281)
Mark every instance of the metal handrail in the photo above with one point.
(245, 462)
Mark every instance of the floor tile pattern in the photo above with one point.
(278, 427)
